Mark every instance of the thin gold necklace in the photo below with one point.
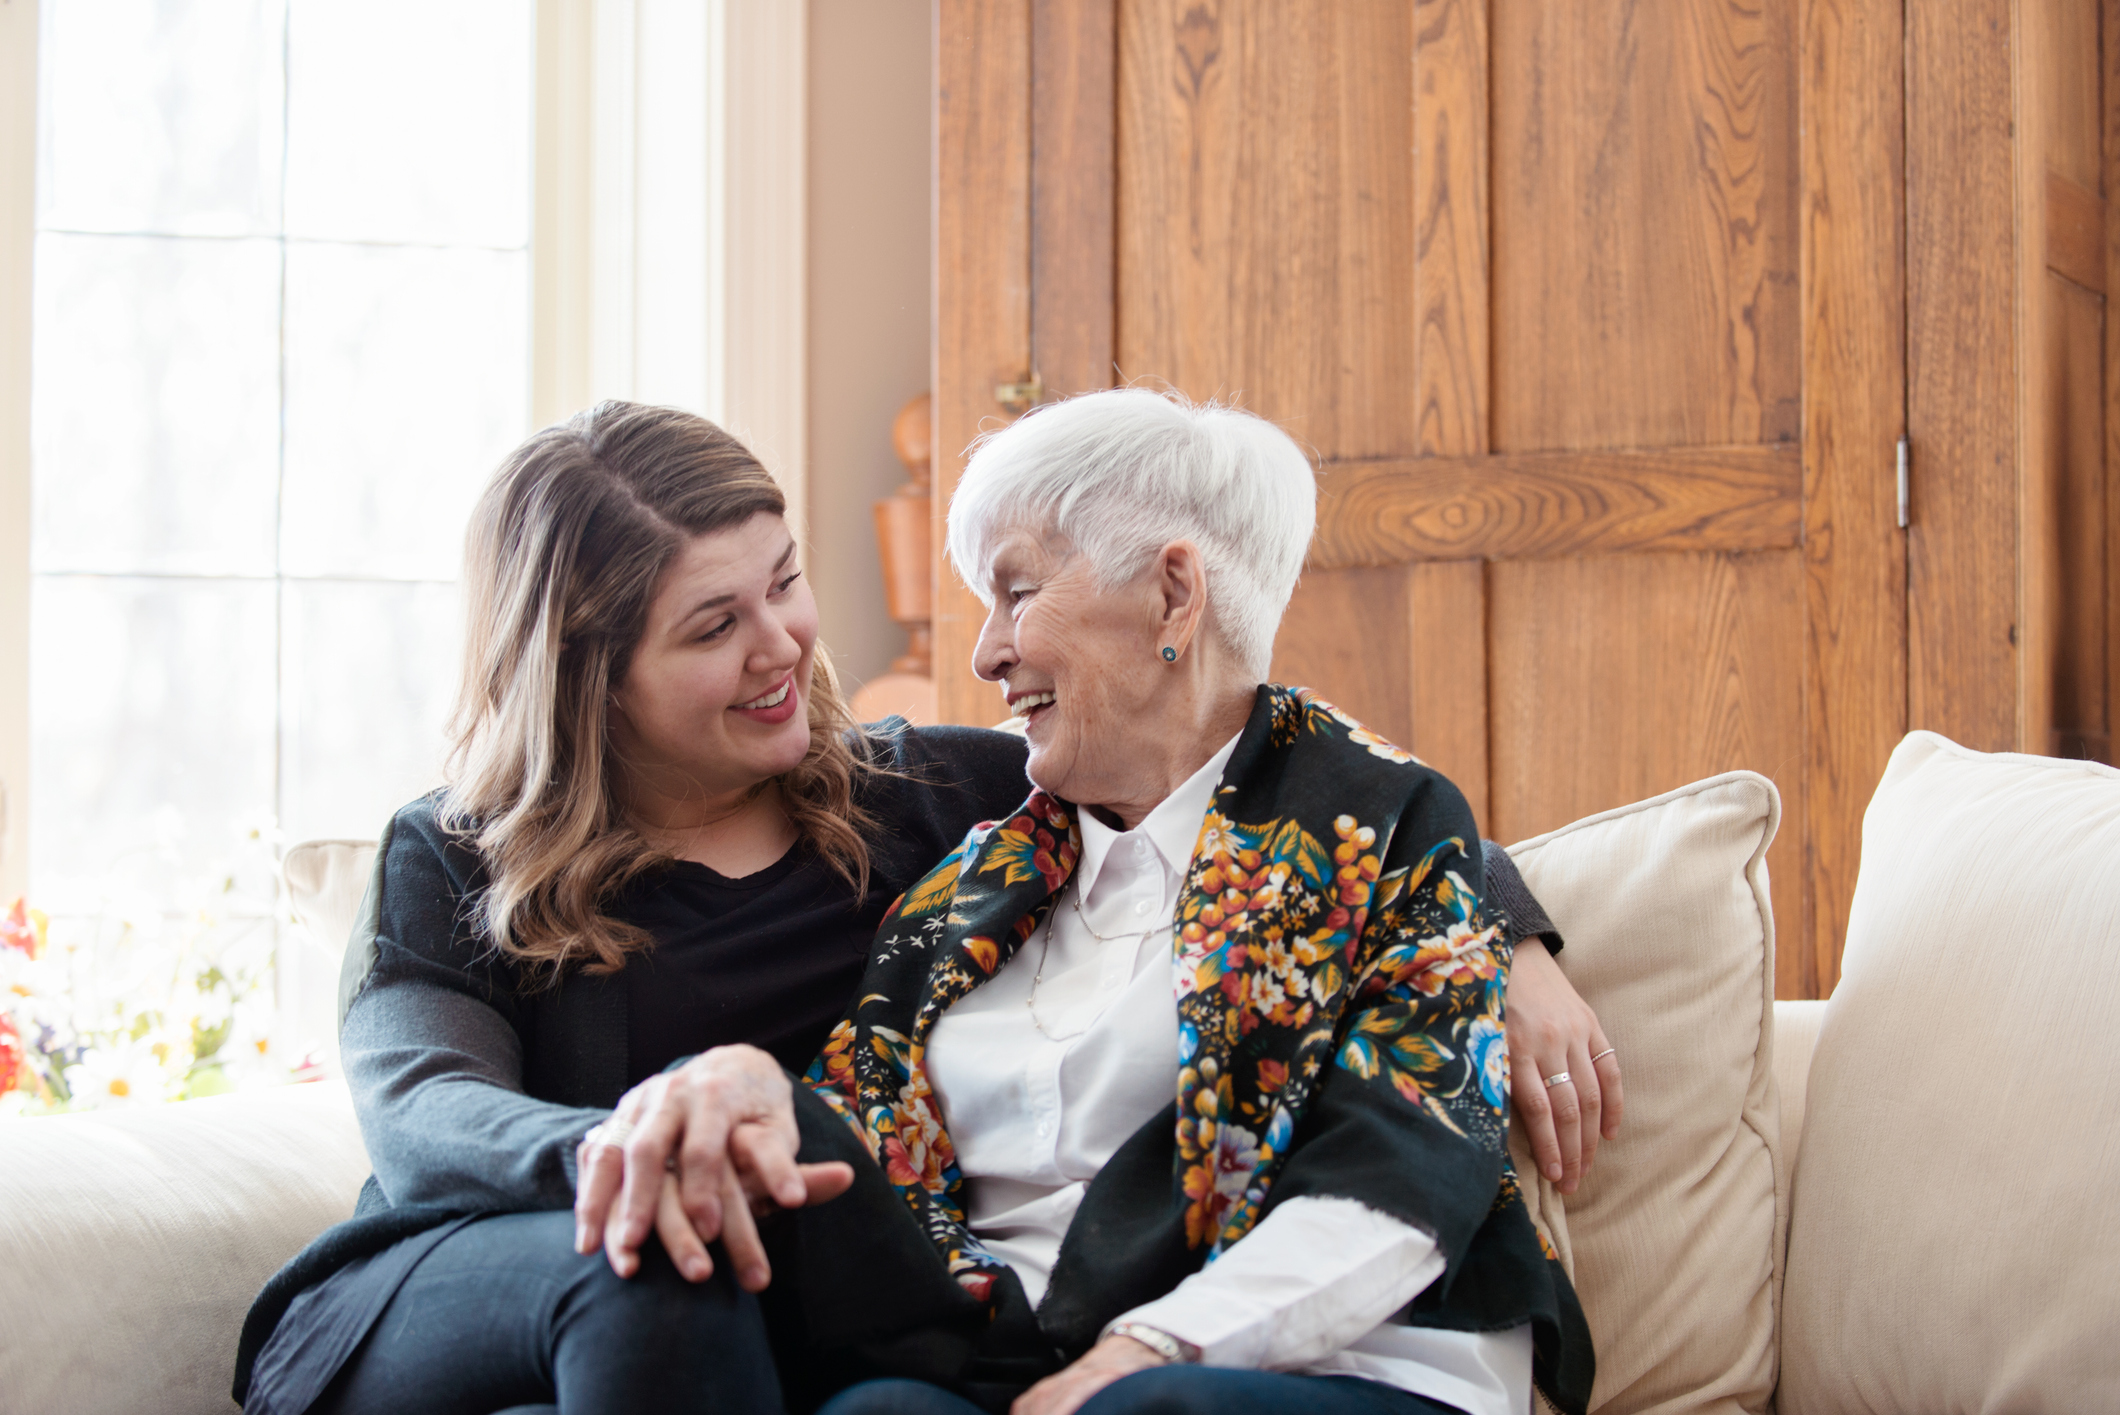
(1046, 948)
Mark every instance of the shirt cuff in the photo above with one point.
(1316, 1275)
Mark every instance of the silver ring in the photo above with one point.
(610, 1132)
(1555, 1079)
(1602, 1055)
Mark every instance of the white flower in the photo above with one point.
(117, 1074)
(1236, 1156)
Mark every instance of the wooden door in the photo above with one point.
(1592, 314)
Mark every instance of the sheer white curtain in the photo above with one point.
(305, 270)
(282, 302)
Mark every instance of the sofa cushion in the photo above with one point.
(1675, 1233)
(325, 880)
(133, 1241)
(1796, 1027)
(1950, 1247)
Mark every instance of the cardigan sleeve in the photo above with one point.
(1508, 895)
(430, 1044)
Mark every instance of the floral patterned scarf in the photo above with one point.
(1339, 988)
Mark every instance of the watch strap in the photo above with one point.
(1171, 1349)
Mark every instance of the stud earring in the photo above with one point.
(1170, 655)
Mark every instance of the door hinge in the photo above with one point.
(1020, 397)
(1903, 487)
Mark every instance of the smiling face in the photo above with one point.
(716, 697)
(1082, 665)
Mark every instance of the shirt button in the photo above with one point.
(1142, 907)
(1044, 1129)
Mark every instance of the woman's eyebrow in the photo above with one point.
(721, 599)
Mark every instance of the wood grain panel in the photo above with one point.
(1450, 248)
(2075, 232)
(982, 284)
(1529, 505)
(1343, 635)
(1446, 600)
(2109, 113)
(1645, 236)
(1961, 382)
(1854, 556)
(1446, 604)
(2065, 516)
(1617, 679)
(1073, 111)
(1265, 211)
(2060, 615)
(2061, 475)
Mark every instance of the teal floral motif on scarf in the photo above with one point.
(1308, 937)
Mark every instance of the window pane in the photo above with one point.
(151, 728)
(161, 116)
(370, 671)
(407, 382)
(155, 404)
(409, 120)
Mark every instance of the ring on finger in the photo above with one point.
(610, 1132)
(1556, 1079)
(1602, 1055)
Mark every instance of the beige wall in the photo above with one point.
(869, 104)
(18, 154)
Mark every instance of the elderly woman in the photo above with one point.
(1184, 1086)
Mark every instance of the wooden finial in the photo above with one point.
(913, 439)
(903, 536)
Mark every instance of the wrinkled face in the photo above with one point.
(1079, 663)
(716, 697)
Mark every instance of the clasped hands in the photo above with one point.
(696, 1154)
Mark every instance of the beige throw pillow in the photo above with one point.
(1953, 1245)
(325, 881)
(1676, 1232)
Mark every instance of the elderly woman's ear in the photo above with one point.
(1180, 573)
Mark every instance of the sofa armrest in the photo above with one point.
(1796, 1027)
(133, 1241)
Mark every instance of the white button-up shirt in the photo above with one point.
(1039, 1091)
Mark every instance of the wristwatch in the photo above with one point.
(1173, 1351)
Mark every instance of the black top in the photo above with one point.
(769, 959)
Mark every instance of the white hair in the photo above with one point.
(1124, 472)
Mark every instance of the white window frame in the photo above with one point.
(671, 158)
(677, 167)
(18, 224)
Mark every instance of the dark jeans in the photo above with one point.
(504, 1313)
(1168, 1390)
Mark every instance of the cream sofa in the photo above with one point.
(1888, 1202)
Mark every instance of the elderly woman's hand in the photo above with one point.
(697, 1151)
(1552, 1030)
(1063, 1392)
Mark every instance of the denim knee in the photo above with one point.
(657, 1307)
(1161, 1390)
(897, 1397)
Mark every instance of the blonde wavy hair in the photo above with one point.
(563, 555)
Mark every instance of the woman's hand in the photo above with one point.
(1065, 1390)
(698, 1149)
(1552, 1030)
